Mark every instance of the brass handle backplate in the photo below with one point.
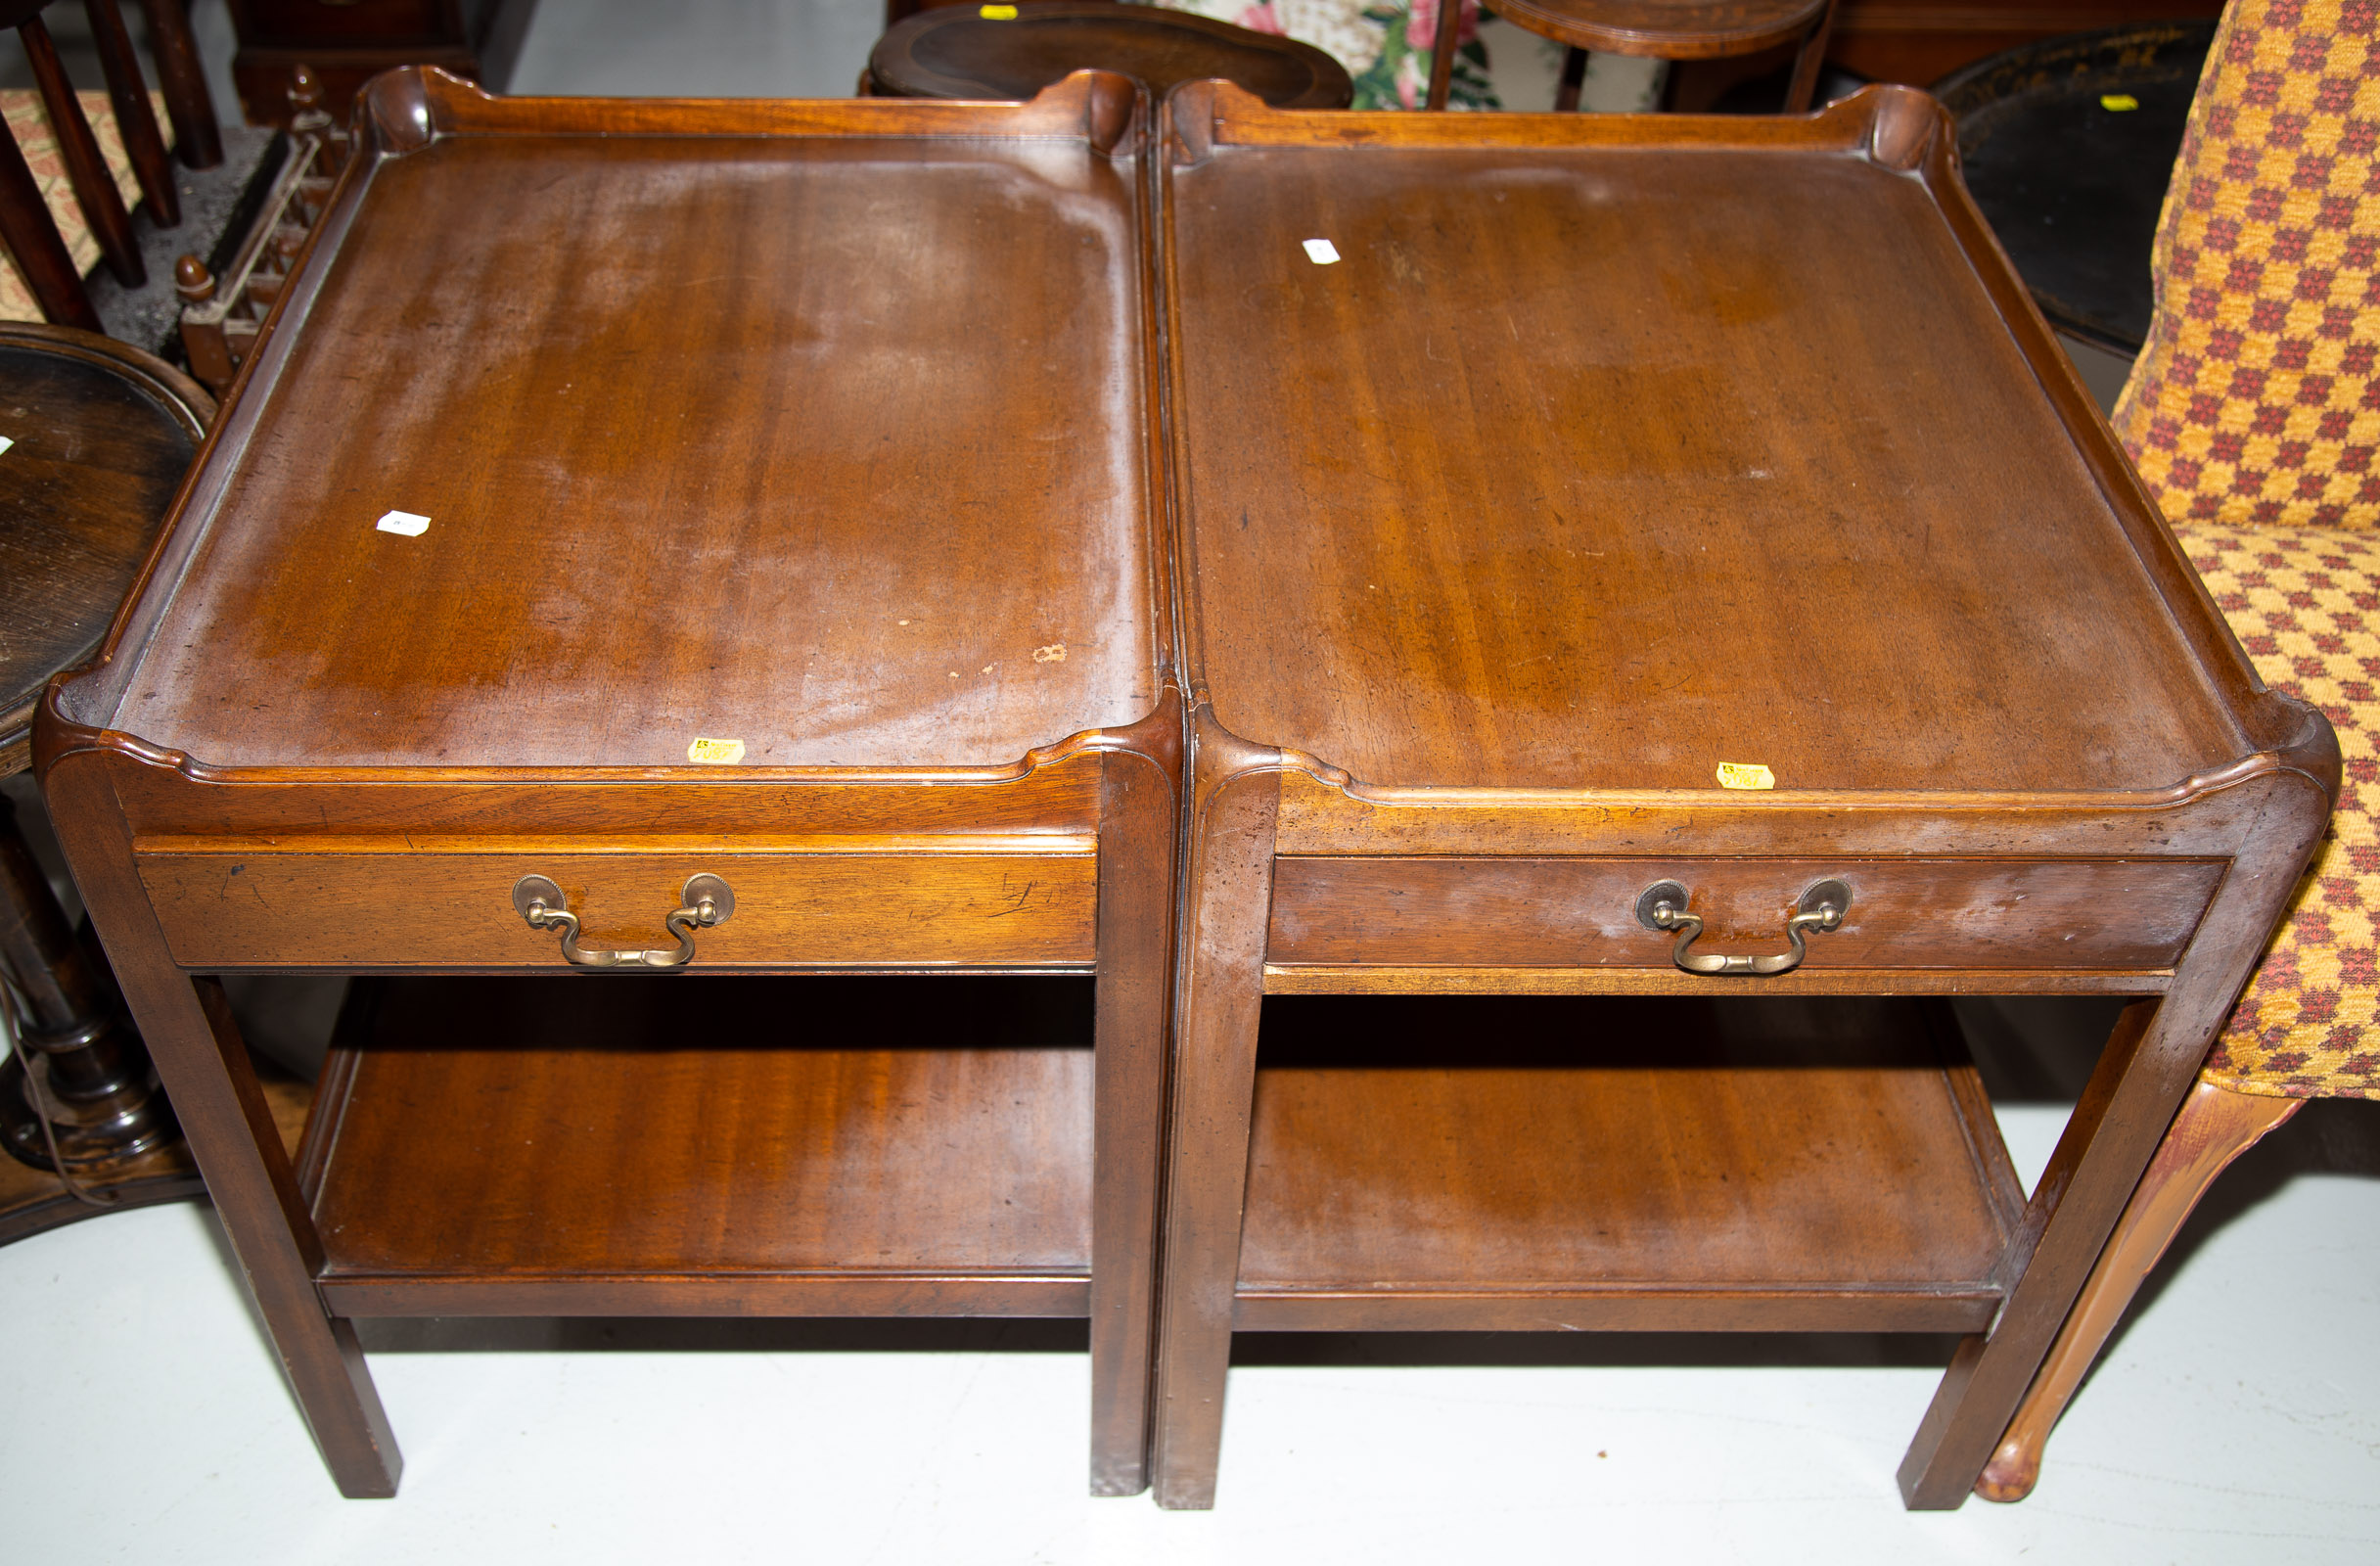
(707, 901)
(1663, 906)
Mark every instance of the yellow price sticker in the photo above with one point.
(1745, 775)
(716, 753)
(2118, 103)
(997, 13)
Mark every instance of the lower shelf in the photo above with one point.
(1507, 1162)
(611, 1144)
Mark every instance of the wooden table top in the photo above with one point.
(958, 52)
(99, 436)
(816, 426)
(1670, 29)
(1611, 451)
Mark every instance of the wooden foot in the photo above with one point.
(2214, 1127)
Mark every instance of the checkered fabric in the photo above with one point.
(2306, 603)
(2255, 399)
(2254, 414)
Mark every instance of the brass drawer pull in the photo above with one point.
(1663, 906)
(707, 902)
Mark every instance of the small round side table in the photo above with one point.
(96, 435)
(1012, 52)
(2067, 146)
(1663, 29)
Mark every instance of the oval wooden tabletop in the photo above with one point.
(98, 435)
(958, 52)
(1666, 29)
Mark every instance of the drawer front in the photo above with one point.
(1582, 913)
(226, 909)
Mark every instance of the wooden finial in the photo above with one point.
(192, 281)
(306, 92)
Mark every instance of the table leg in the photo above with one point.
(1809, 61)
(1137, 849)
(2149, 1062)
(1230, 877)
(204, 1063)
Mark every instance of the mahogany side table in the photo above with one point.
(1665, 563)
(656, 540)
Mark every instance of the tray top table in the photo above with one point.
(1666, 558)
(791, 597)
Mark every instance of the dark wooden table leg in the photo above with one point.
(79, 1091)
(1136, 844)
(229, 1125)
(2149, 1062)
(1810, 59)
(1574, 79)
(1229, 876)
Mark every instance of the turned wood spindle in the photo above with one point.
(33, 240)
(144, 142)
(86, 169)
(179, 76)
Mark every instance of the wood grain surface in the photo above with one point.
(1585, 1147)
(100, 436)
(1955, 914)
(401, 910)
(833, 1139)
(1615, 460)
(877, 403)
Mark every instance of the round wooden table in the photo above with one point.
(975, 52)
(2067, 146)
(96, 435)
(1661, 29)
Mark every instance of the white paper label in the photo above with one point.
(404, 521)
(5, 443)
(1321, 252)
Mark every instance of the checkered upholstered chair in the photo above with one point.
(2253, 415)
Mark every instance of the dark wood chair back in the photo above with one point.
(26, 225)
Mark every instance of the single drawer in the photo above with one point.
(2120, 914)
(222, 908)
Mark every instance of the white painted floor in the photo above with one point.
(2236, 1418)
